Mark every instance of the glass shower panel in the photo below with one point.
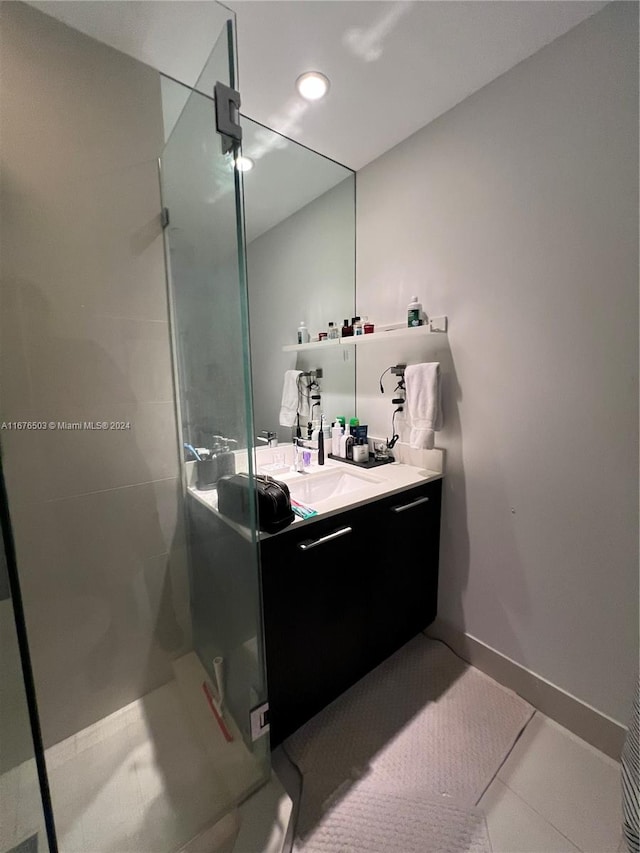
(209, 317)
(22, 812)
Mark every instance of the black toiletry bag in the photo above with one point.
(274, 501)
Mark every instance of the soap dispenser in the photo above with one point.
(225, 457)
(336, 434)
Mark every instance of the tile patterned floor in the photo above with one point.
(142, 780)
(139, 780)
(554, 793)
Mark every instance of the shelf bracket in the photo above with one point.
(438, 324)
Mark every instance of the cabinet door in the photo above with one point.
(315, 620)
(403, 587)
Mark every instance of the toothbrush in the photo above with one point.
(302, 510)
(192, 449)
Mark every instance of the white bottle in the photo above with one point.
(343, 445)
(414, 313)
(336, 435)
(303, 333)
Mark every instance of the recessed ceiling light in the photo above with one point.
(312, 85)
(244, 164)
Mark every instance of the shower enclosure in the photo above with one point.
(206, 266)
(147, 743)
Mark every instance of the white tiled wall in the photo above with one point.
(85, 337)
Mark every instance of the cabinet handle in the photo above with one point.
(411, 505)
(304, 546)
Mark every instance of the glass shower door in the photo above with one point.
(204, 240)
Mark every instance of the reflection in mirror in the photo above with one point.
(300, 235)
(300, 221)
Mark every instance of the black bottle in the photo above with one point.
(347, 330)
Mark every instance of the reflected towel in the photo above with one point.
(424, 404)
(289, 405)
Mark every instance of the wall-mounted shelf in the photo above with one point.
(436, 326)
(312, 345)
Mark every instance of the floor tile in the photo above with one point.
(571, 784)
(514, 827)
(138, 780)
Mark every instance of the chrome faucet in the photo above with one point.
(269, 438)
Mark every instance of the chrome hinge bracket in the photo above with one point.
(259, 718)
(227, 114)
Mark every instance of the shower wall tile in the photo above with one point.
(15, 380)
(97, 514)
(90, 109)
(106, 599)
(91, 359)
(95, 540)
(92, 244)
(60, 463)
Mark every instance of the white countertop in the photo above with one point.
(375, 483)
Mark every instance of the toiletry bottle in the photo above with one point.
(414, 313)
(333, 332)
(367, 326)
(360, 451)
(356, 322)
(343, 445)
(347, 330)
(303, 333)
(225, 457)
(353, 422)
(336, 434)
(348, 447)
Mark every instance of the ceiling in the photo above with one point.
(394, 66)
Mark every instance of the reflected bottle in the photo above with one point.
(347, 330)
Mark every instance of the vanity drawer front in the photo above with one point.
(403, 587)
(314, 617)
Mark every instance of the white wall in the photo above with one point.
(516, 214)
(83, 337)
(302, 269)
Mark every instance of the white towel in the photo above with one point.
(289, 405)
(424, 406)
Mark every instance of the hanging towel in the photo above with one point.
(424, 406)
(289, 405)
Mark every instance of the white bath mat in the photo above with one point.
(368, 820)
(423, 726)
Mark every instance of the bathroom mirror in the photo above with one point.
(300, 220)
(300, 239)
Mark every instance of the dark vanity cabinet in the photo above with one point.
(343, 593)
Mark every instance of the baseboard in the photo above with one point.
(584, 721)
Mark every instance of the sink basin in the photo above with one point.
(313, 488)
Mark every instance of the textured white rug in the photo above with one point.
(369, 820)
(404, 756)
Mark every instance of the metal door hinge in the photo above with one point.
(164, 217)
(227, 113)
(259, 717)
